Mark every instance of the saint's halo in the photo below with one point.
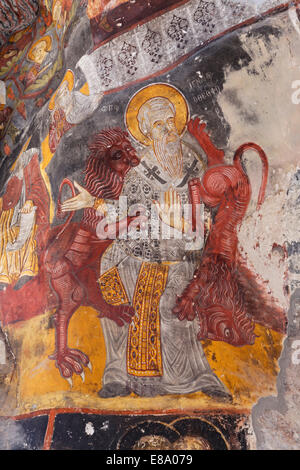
(163, 90)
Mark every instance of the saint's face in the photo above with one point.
(166, 141)
(63, 98)
(162, 126)
(39, 53)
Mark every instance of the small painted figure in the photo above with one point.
(68, 108)
(37, 54)
(24, 221)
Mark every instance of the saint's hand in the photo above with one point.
(83, 200)
(27, 208)
(170, 211)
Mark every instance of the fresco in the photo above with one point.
(15, 16)
(148, 183)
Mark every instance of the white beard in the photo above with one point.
(169, 156)
(63, 100)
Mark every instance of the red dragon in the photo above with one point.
(72, 259)
(224, 293)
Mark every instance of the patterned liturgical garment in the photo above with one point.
(156, 354)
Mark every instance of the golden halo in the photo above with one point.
(163, 90)
(69, 77)
(46, 39)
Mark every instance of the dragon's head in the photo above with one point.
(219, 324)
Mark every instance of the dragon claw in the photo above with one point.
(71, 361)
(70, 381)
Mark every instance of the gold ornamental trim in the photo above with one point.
(144, 358)
(112, 288)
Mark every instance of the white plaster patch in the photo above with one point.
(105, 426)
(89, 429)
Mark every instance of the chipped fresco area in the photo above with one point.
(266, 232)
(281, 412)
(246, 97)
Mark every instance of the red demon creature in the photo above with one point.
(72, 259)
(224, 294)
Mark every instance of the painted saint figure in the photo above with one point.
(24, 221)
(68, 108)
(157, 354)
(37, 54)
(102, 6)
(61, 15)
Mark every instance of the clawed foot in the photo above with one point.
(185, 309)
(71, 361)
(121, 314)
(196, 127)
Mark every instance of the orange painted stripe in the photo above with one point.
(49, 431)
(53, 412)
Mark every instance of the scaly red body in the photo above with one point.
(72, 259)
(224, 294)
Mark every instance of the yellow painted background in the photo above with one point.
(249, 372)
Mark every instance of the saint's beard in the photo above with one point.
(63, 101)
(169, 156)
